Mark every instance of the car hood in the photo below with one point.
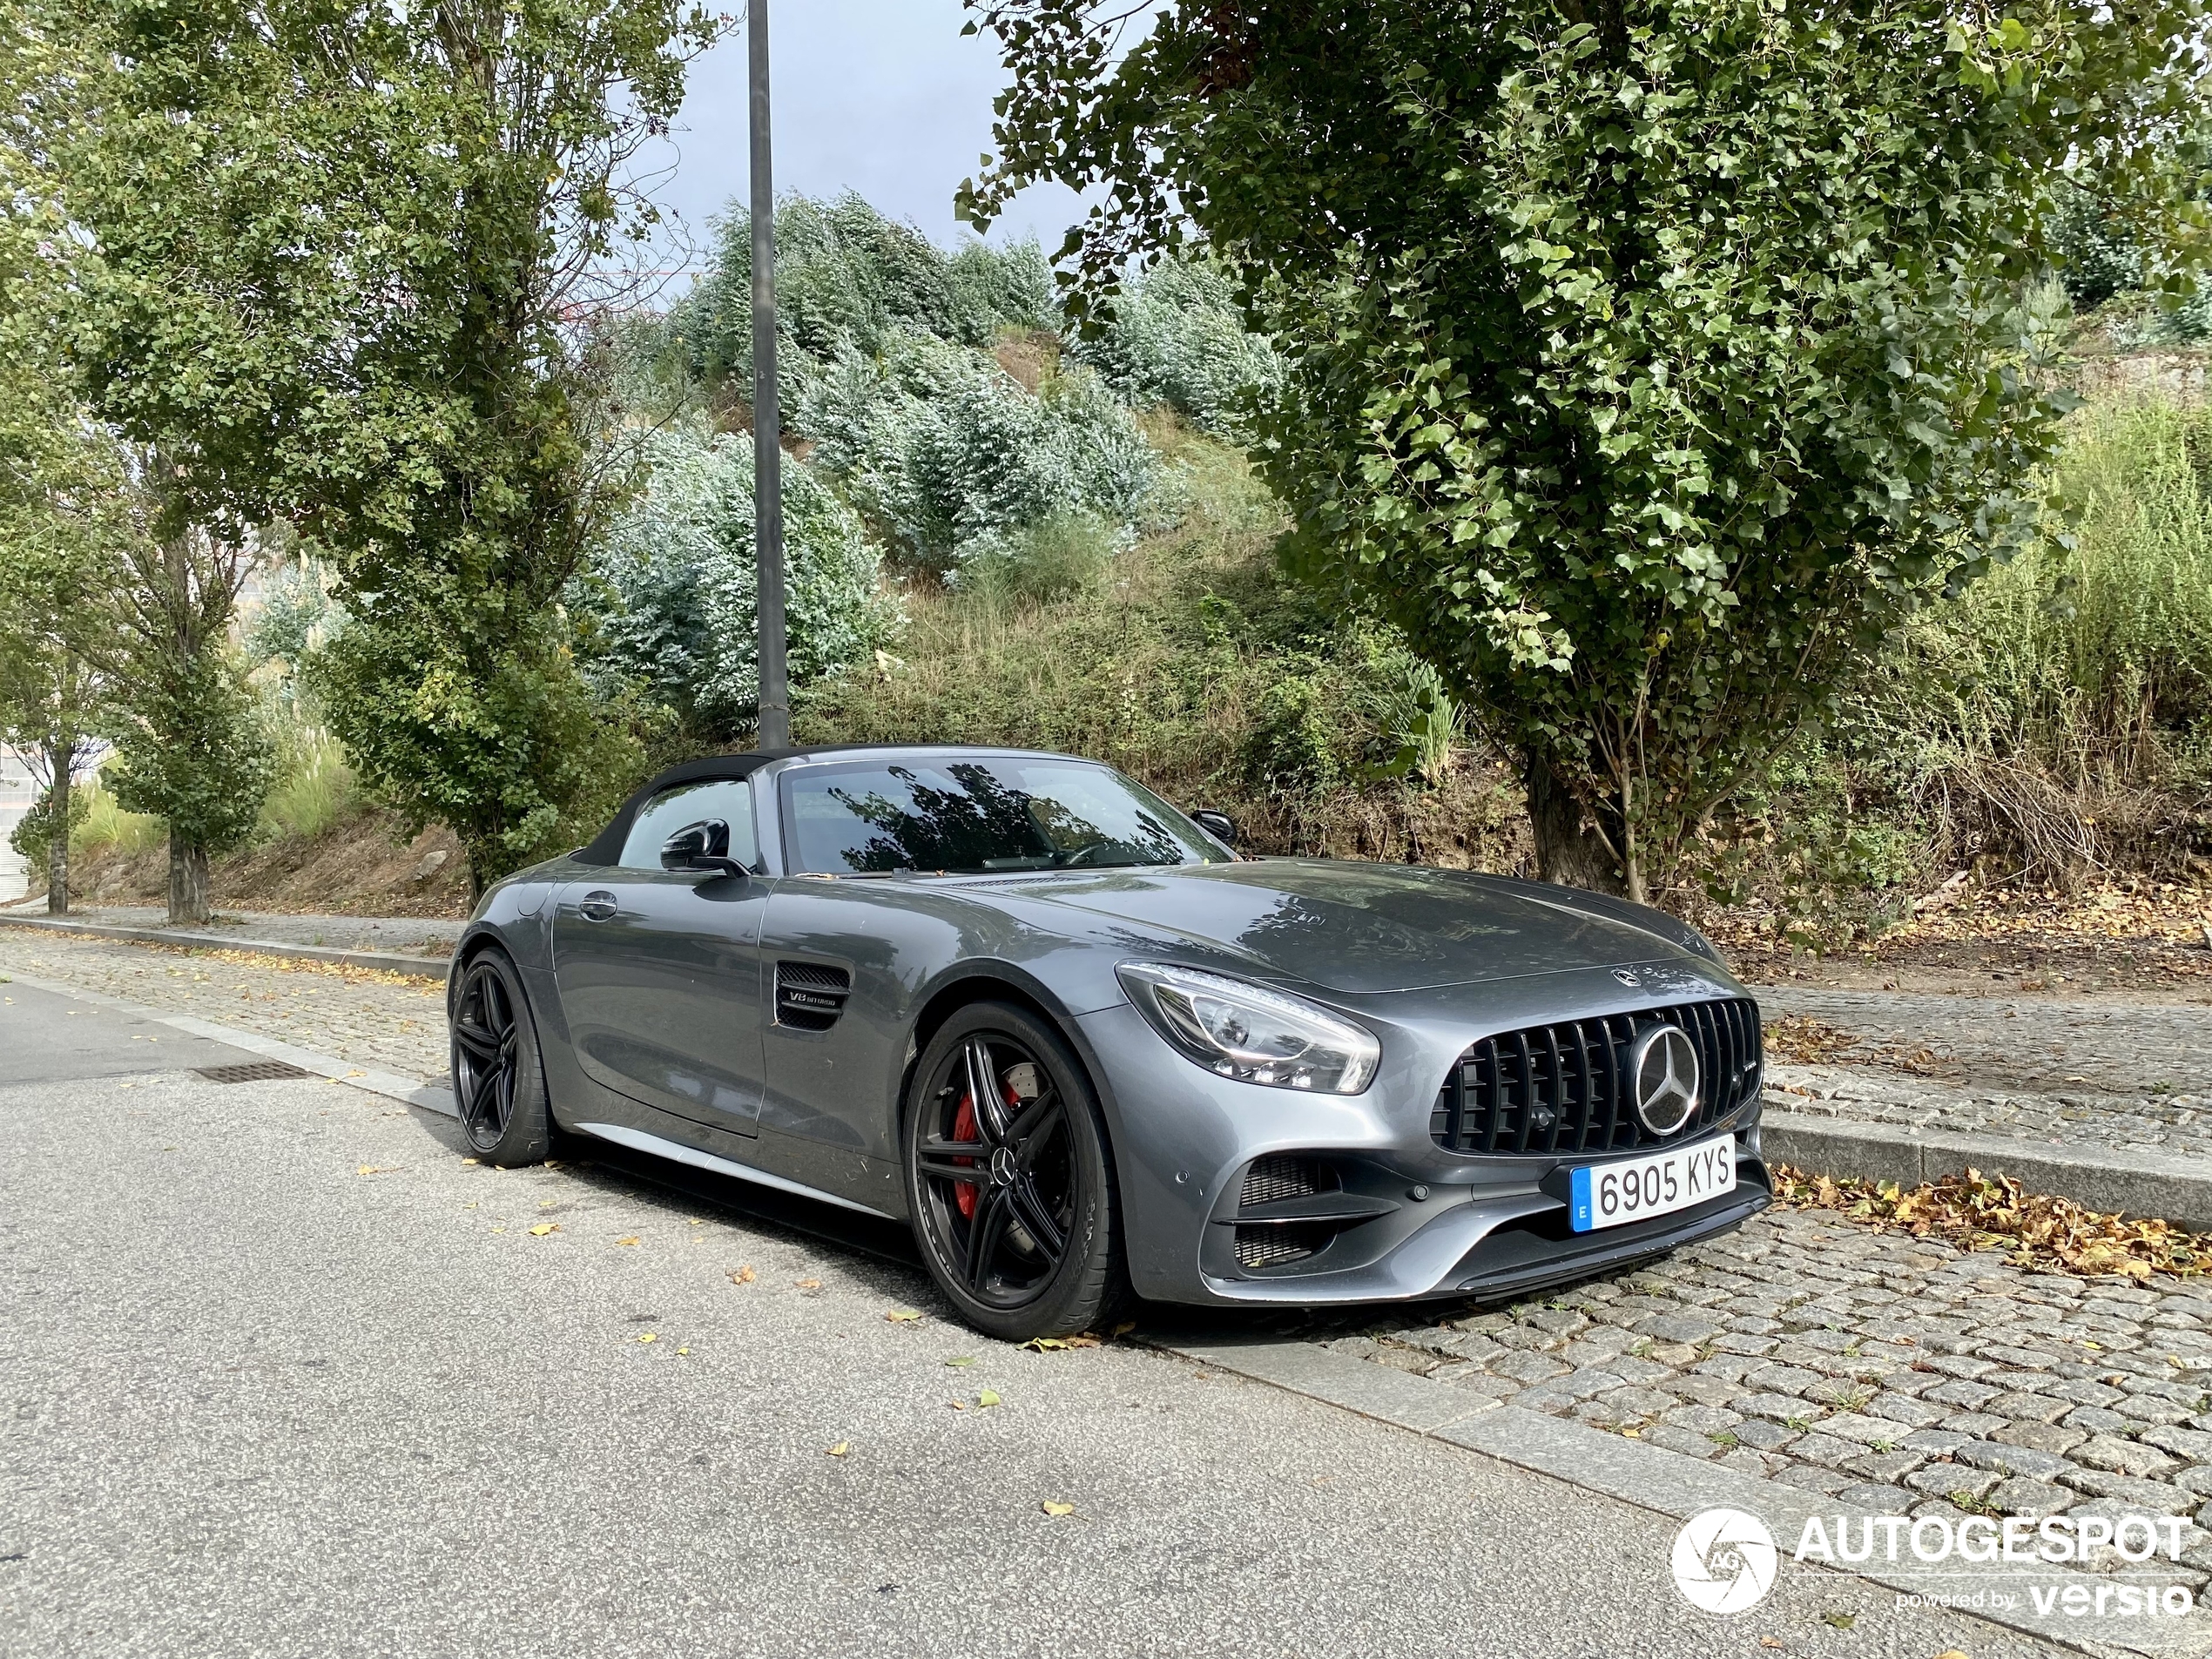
(1362, 928)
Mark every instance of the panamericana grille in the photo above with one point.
(1559, 1088)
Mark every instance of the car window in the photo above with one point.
(968, 816)
(727, 798)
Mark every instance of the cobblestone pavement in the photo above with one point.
(1895, 1374)
(431, 935)
(2171, 1123)
(2038, 1045)
(393, 1022)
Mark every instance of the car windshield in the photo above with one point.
(971, 816)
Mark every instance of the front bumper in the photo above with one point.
(1438, 1223)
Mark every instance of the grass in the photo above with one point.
(1191, 662)
(107, 828)
(314, 792)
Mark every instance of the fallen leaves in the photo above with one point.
(840, 1449)
(543, 1228)
(807, 1284)
(902, 1316)
(649, 1336)
(1054, 1344)
(1052, 1507)
(630, 1240)
(989, 1397)
(1979, 1212)
(958, 1360)
(743, 1276)
(377, 1169)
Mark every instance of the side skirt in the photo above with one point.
(640, 1140)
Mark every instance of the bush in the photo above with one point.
(315, 788)
(33, 835)
(674, 591)
(104, 825)
(947, 451)
(844, 273)
(1177, 337)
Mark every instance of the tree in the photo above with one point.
(1649, 359)
(675, 587)
(193, 749)
(58, 478)
(346, 263)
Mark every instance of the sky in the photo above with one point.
(884, 97)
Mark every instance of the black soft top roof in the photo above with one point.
(605, 847)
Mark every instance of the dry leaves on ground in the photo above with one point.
(1981, 1212)
(1801, 1040)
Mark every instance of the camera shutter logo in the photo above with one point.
(1724, 1561)
(1662, 1078)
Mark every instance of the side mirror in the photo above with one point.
(698, 847)
(1220, 825)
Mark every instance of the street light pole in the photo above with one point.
(767, 416)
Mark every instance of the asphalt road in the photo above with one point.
(286, 1375)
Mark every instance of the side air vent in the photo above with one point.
(809, 996)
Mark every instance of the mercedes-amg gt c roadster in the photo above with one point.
(1086, 1049)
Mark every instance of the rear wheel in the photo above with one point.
(498, 1080)
(1010, 1178)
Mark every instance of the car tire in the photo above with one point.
(498, 1075)
(1059, 1176)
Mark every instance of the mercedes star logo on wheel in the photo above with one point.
(1662, 1078)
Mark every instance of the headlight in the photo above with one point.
(1251, 1034)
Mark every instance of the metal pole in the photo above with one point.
(767, 415)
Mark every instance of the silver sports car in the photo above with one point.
(1086, 1049)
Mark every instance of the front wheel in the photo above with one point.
(498, 1078)
(1010, 1178)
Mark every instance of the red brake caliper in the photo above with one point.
(964, 1129)
(965, 1192)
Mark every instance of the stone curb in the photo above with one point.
(387, 961)
(391, 1085)
(2163, 1184)
(1651, 1477)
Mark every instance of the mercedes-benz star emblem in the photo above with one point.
(1626, 977)
(1662, 1078)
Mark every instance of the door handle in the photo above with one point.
(596, 906)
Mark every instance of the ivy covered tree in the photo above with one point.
(1648, 359)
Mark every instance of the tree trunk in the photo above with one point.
(58, 803)
(187, 881)
(1569, 848)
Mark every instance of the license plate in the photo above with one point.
(1612, 1194)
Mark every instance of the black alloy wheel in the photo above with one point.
(498, 1082)
(1010, 1177)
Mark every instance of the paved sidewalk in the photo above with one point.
(386, 1020)
(425, 935)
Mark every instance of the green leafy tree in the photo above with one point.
(59, 475)
(345, 260)
(1648, 360)
(192, 748)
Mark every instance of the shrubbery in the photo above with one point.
(674, 589)
(1177, 337)
(947, 451)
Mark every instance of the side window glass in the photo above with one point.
(727, 798)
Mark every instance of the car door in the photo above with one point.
(659, 971)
